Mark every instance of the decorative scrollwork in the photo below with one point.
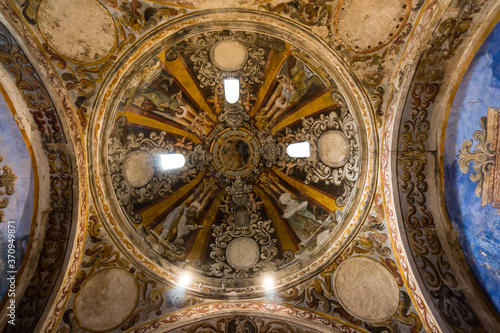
(233, 115)
(482, 156)
(159, 184)
(322, 169)
(31, 87)
(315, 13)
(7, 181)
(208, 74)
(454, 306)
(448, 37)
(60, 202)
(260, 243)
(412, 156)
(431, 258)
(198, 158)
(272, 151)
(244, 324)
(239, 191)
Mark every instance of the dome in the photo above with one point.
(241, 208)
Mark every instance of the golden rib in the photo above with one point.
(319, 103)
(138, 119)
(284, 237)
(159, 207)
(179, 71)
(309, 191)
(195, 252)
(272, 70)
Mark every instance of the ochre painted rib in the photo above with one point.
(319, 103)
(309, 191)
(282, 231)
(161, 206)
(138, 119)
(208, 219)
(271, 72)
(181, 74)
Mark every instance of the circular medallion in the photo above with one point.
(377, 23)
(106, 299)
(235, 153)
(242, 253)
(138, 168)
(87, 39)
(229, 55)
(366, 289)
(333, 148)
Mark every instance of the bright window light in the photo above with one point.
(172, 161)
(185, 279)
(232, 90)
(300, 149)
(268, 283)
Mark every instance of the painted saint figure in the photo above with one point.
(304, 222)
(294, 83)
(179, 223)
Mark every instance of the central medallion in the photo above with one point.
(235, 153)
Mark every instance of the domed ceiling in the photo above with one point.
(241, 208)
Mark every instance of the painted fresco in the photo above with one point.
(16, 194)
(239, 191)
(472, 165)
(243, 324)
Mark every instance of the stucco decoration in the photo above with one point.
(366, 289)
(432, 291)
(106, 299)
(83, 38)
(239, 190)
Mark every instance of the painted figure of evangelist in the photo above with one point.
(304, 222)
(179, 223)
